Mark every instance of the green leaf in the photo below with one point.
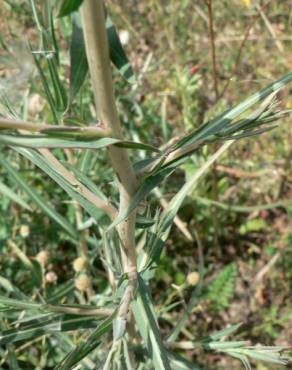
(254, 225)
(46, 86)
(219, 346)
(117, 53)
(37, 141)
(145, 188)
(168, 215)
(216, 125)
(40, 201)
(13, 196)
(86, 346)
(222, 287)
(41, 141)
(220, 334)
(69, 6)
(179, 363)
(73, 191)
(15, 303)
(47, 325)
(58, 88)
(78, 60)
(144, 222)
(148, 327)
(85, 180)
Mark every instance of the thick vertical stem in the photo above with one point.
(97, 50)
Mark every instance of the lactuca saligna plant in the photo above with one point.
(127, 311)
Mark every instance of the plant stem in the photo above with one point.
(97, 50)
(209, 4)
(90, 132)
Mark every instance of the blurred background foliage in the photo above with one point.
(239, 217)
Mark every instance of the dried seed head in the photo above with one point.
(79, 264)
(43, 257)
(82, 282)
(51, 277)
(24, 231)
(36, 104)
(247, 3)
(124, 37)
(193, 278)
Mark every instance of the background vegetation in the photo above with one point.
(235, 227)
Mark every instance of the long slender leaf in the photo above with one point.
(13, 196)
(38, 141)
(73, 191)
(58, 88)
(214, 126)
(54, 324)
(39, 200)
(86, 346)
(171, 211)
(148, 327)
(78, 61)
(179, 363)
(46, 87)
(85, 180)
(220, 334)
(69, 6)
(117, 52)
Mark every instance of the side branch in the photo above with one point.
(88, 131)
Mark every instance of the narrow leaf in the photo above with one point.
(214, 126)
(40, 201)
(69, 6)
(78, 61)
(148, 327)
(117, 53)
(220, 334)
(41, 141)
(73, 191)
(145, 188)
(86, 346)
(174, 205)
(13, 196)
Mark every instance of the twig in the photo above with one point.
(267, 267)
(88, 131)
(209, 4)
(270, 28)
(177, 220)
(246, 36)
(81, 311)
(237, 172)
